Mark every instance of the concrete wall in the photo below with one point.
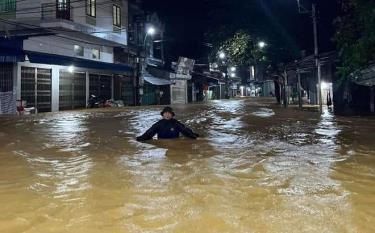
(65, 47)
(31, 10)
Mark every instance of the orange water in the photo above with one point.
(256, 168)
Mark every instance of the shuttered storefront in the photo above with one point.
(72, 90)
(100, 86)
(149, 94)
(44, 90)
(179, 92)
(124, 89)
(36, 86)
(7, 97)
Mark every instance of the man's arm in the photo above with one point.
(150, 133)
(187, 132)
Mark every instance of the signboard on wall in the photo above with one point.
(185, 66)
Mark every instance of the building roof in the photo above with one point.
(307, 64)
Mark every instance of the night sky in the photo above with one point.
(276, 21)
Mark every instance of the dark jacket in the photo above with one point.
(167, 129)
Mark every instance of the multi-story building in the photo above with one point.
(54, 54)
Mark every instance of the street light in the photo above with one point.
(262, 44)
(150, 31)
(225, 74)
(233, 69)
(221, 55)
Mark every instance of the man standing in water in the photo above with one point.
(167, 128)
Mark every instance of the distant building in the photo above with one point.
(304, 70)
(207, 83)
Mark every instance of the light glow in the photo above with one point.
(262, 44)
(151, 31)
(71, 69)
(324, 85)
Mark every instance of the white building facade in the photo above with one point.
(65, 52)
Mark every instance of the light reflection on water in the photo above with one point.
(257, 168)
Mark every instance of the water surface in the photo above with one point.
(256, 168)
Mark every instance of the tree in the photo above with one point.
(355, 35)
(238, 48)
(272, 21)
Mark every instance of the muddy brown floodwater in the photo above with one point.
(256, 168)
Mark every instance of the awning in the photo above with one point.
(54, 59)
(11, 55)
(155, 81)
(12, 58)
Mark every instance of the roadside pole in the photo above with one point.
(299, 89)
(317, 60)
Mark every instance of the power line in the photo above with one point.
(60, 36)
(63, 30)
(22, 12)
(56, 4)
(38, 7)
(53, 30)
(30, 26)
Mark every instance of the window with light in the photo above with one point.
(116, 16)
(91, 8)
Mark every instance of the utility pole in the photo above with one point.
(285, 77)
(299, 89)
(137, 93)
(317, 59)
(372, 99)
(138, 78)
(313, 12)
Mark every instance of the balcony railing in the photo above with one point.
(57, 11)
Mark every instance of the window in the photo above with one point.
(62, 5)
(116, 16)
(8, 5)
(95, 54)
(91, 8)
(63, 9)
(78, 50)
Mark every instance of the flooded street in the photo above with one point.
(256, 168)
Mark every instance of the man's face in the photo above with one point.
(167, 115)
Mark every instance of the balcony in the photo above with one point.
(71, 22)
(57, 11)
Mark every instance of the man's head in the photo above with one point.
(167, 113)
